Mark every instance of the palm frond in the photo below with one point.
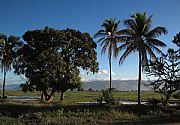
(156, 32)
(147, 25)
(116, 52)
(144, 57)
(104, 48)
(100, 33)
(151, 53)
(127, 52)
(122, 39)
(157, 50)
(101, 40)
(130, 23)
(156, 42)
(123, 46)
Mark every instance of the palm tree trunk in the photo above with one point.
(110, 82)
(4, 82)
(139, 80)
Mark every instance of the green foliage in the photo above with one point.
(153, 101)
(167, 73)
(107, 96)
(8, 49)
(176, 95)
(50, 60)
(80, 114)
(176, 39)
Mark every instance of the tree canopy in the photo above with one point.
(50, 59)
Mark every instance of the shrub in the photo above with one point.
(176, 95)
(153, 101)
(90, 89)
(108, 98)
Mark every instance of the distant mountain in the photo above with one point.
(11, 87)
(122, 85)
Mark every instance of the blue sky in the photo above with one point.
(18, 16)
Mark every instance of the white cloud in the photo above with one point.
(104, 75)
(105, 72)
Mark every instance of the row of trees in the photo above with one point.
(50, 59)
(136, 37)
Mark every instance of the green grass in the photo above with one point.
(20, 114)
(131, 95)
(72, 97)
(68, 113)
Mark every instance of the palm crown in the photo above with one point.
(108, 36)
(140, 38)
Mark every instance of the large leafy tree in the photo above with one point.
(50, 59)
(108, 39)
(77, 50)
(142, 39)
(8, 47)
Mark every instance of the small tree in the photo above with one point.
(8, 46)
(166, 70)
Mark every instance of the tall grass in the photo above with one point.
(82, 114)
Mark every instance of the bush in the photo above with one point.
(108, 98)
(90, 89)
(176, 95)
(153, 101)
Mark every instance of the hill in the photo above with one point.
(123, 85)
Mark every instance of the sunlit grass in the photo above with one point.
(72, 97)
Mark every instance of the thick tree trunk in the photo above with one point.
(139, 80)
(62, 96)
(47, 96)
(4, 82)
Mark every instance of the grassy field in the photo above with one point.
(72, 97)
(70, 113)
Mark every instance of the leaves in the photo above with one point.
(50, 59)
(139, 37)
(166, 71)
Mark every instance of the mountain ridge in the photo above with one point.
(123, 85)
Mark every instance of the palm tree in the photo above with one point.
(109, 38)
(139, 37)
(6, 52)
